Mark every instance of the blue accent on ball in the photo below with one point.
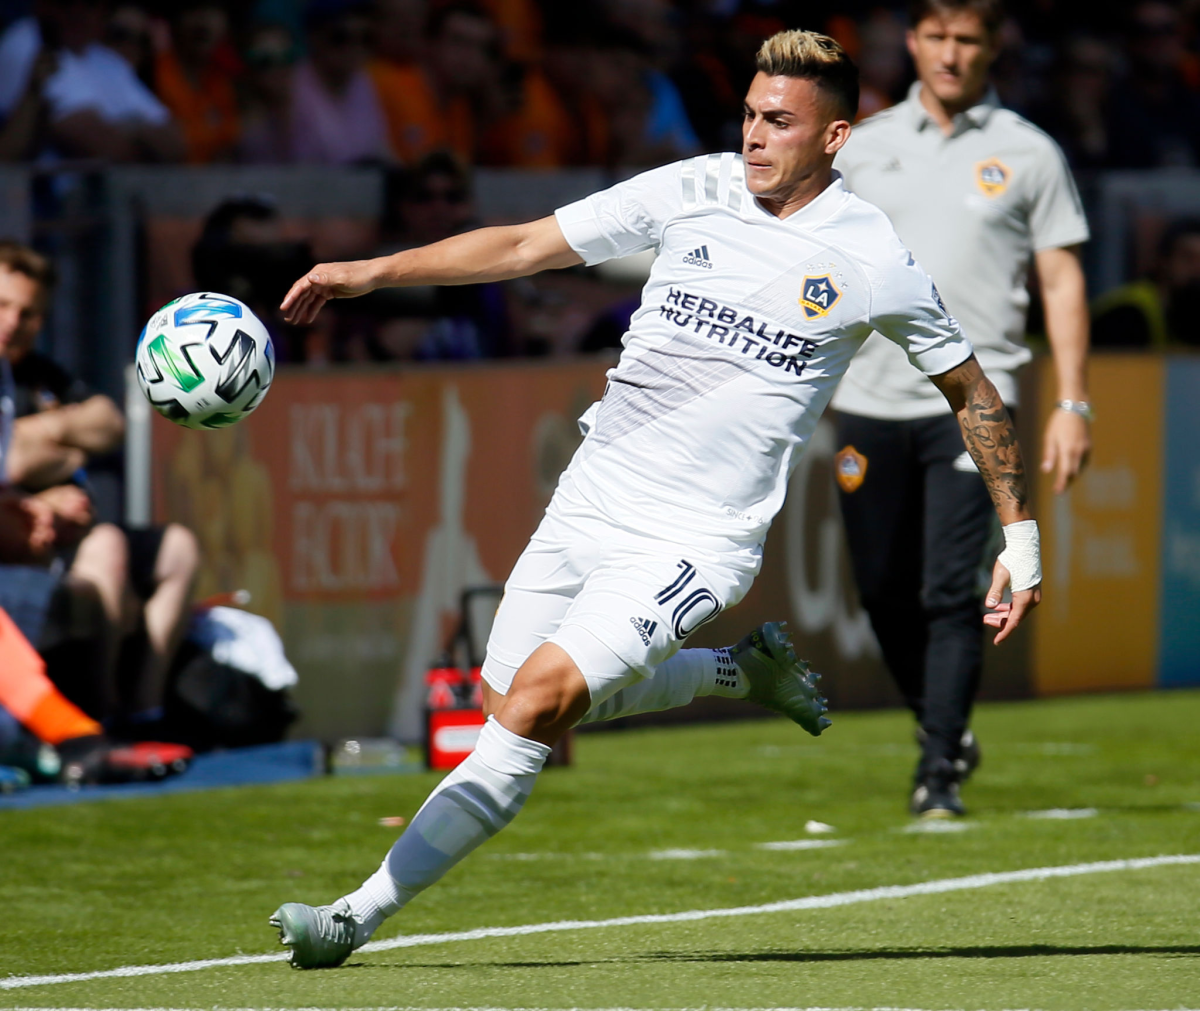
(213, 307)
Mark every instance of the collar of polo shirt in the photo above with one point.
(976, 116)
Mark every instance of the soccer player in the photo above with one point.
(975, 192)
(769, 277)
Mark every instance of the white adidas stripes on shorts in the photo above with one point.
(618, 602)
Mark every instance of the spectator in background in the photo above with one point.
(130, 34)
(336, 116)
(195, 79)
(400, 30)
(117, 582)
(1159, 311)
(567, 65)
(532, 129)
(1154, 118)
(244, 253)
(95, 105)
(882, 62)
(424, 204)
(270, 59)
(1076, 111)
(519, 29)
(649, 123)
(703, 78)
(25, 131)
(440, 102)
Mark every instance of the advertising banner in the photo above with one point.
(355, 508)
(1099, 625)
(1179, 659)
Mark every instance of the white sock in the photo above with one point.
(473, 803)
(689, 674)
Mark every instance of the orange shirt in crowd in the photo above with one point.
(520, 24)
(207, 111)
(538, 135)
(543, 134)
(417, 121)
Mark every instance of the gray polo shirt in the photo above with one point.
(973, 208)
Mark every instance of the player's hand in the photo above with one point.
(323, 282)
(1066, 445)
(1007, 617)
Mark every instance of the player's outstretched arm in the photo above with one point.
(486, 254)
(992, 442)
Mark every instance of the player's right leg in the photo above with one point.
(474, 802)
(535, 693)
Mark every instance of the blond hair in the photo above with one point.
(814, 57)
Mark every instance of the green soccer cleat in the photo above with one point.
(778, 680)
(320, 936)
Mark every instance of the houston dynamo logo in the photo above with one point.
(818, 294)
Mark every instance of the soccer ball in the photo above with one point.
(205, 360)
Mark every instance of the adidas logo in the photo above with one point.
(892, 166)
(645, 628)
(699, 258)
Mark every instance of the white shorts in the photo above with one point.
(618, 602)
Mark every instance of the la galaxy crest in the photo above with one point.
(818, 294)
(992, 177)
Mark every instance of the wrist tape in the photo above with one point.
(1022, 554)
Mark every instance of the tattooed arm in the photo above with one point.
(992, 442)
(988, 432)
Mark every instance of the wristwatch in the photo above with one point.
(1080, 407)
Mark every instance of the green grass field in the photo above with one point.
(660, 821)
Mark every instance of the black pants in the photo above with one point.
(918, 527)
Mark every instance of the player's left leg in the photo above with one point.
(957, 528)
(762, 668)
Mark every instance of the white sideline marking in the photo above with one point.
(829, 901)
(684, 854)
(478, 1008)
(802, 844)
(1064, 813)
(936, 826)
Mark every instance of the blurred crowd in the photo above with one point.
(536, 83)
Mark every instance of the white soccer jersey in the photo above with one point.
(747, 323)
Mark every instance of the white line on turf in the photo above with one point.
(936, 826)
(802, 844)
(1063, 813)
(478, 1008)
(684, 854)
(829, 901)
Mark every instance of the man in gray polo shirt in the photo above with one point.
(977, 193)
